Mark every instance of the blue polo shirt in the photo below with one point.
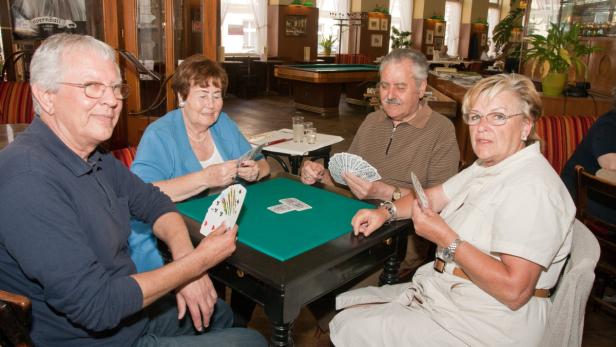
(63, 239)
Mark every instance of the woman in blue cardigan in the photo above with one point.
(191, 149)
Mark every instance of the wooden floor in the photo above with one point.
(262, 114)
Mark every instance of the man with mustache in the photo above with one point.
(404, 136)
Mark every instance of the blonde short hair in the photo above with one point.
(520, 85)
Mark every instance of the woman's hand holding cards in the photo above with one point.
(248, 170)
(221, 175)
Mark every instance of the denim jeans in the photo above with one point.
(164, 328)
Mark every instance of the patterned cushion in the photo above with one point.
(560, 135)
(125, 155)
(15, 103)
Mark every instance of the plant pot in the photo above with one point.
(553, 83)
(327, 51)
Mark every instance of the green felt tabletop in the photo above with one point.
(336, 67)
(284, 236)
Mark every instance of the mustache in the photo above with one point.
(392, 101)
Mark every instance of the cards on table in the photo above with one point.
(419, 192)
(224, 209)
(354, 164)
(288, 205)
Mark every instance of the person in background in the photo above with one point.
(597, 154)
(65, 211)
(191, 149)
(503, 230)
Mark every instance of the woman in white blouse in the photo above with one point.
(503, 232)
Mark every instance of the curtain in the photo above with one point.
(259, 10)
(401, 13)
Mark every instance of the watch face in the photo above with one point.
(447, 256)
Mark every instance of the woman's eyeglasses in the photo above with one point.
(495, 118)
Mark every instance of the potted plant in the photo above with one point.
(400, 39)
(381, 9)
(327, 42)
(555, 54)
(504, 41)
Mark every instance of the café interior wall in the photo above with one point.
(474, 10)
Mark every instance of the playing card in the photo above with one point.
(224, 209)
(296, 204)
(251, 154)
(419, 192)
(343, 162)
(281, 208)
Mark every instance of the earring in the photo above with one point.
(524, 137)
(181, 103)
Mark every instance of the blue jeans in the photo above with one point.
(164, 328)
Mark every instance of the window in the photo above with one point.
(453, 14)
(242, 24)
(401, 12)
(328, 25)
(493, 19)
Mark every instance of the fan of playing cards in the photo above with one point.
(225, 209)
(354, 164)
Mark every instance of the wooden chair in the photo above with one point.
(14, 320)
(598, 189)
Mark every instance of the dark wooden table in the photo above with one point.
(284, 287)
(9, 131)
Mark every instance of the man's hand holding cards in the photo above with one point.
(224, 209)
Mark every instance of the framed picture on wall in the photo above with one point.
(295, 25)
(37, 20)
(484, 39)
(429, 37)
(384, 24)
(439, 29)
(376, 40)
(438, 43)
(373, 24)
(429, 50)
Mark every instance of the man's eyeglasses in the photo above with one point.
(96, 90)
(495, 118)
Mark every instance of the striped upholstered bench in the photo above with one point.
(560, 136)
(15, 103)
(126, 155)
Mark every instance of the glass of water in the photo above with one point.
(298, 128)
(311, 135)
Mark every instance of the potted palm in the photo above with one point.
(554, 54)
(400, 39)
(327, 43)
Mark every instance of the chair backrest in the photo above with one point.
(126, 155)
(560, 136)
(15, 103)
(14, 320)
(565, 322)
(600, 190)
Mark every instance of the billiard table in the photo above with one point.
(317, 87)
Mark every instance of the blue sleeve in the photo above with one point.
(43, 234)
(153, 161)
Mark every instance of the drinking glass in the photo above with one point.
(311, 135)
(298, 129)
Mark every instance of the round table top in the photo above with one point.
(9, 131)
